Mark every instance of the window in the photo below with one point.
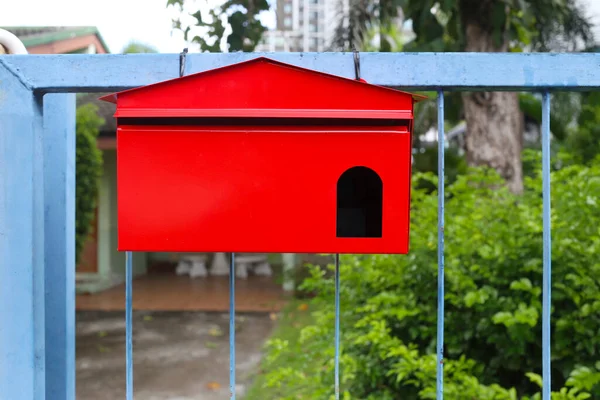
(287, 8)
(359, 204)
(312, 27)
(287, 22)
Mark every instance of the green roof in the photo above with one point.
(39, 35)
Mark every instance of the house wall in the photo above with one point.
(113, 261)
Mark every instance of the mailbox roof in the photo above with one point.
(263, 87)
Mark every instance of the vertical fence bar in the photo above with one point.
(129, 324)
(232, 327)
(337, 327)
(22, 308)
(440, 316)
(547, 254)
(59, 242)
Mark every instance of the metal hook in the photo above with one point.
(182, 56)
(356, 64)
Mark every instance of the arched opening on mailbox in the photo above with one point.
(359, 203)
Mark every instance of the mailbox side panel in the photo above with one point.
(229, 189)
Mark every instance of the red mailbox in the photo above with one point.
(262, 156)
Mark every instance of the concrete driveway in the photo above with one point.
(177, 355)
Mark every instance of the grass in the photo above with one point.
(295, 316)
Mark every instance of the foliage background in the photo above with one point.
(88, 172)
(493, 300)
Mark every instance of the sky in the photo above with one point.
(593, 7)
(121, 21)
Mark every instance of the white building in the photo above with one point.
(304, 25)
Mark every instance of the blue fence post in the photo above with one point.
(232, 327)
(440, 316)
(59, 242)
(22, 357)
(547, 250)
(337, 327)
(129, 325)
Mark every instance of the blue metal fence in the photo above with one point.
(440, 315)
(37, 348)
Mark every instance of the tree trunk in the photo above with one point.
(494, 121)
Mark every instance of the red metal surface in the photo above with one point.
(263, 87)
(254, 186)
(227, 189)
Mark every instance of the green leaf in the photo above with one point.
(523, 284)
(504, 317)
(198, 16)
(535, 378)
(523, 35)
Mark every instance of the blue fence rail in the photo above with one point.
(37, 130)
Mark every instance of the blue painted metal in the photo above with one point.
(510, 71)
(59, 226)
(337, 327)
(22, 330)
(441, 199)
(232, 327)
(129, 324)
(22, 230)
(547, 251)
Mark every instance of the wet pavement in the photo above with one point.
(177, 355)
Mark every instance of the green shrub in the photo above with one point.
(88, 171)
(493, 301)
(583, 139)
(426, 160)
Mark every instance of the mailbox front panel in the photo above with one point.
(264, 189)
